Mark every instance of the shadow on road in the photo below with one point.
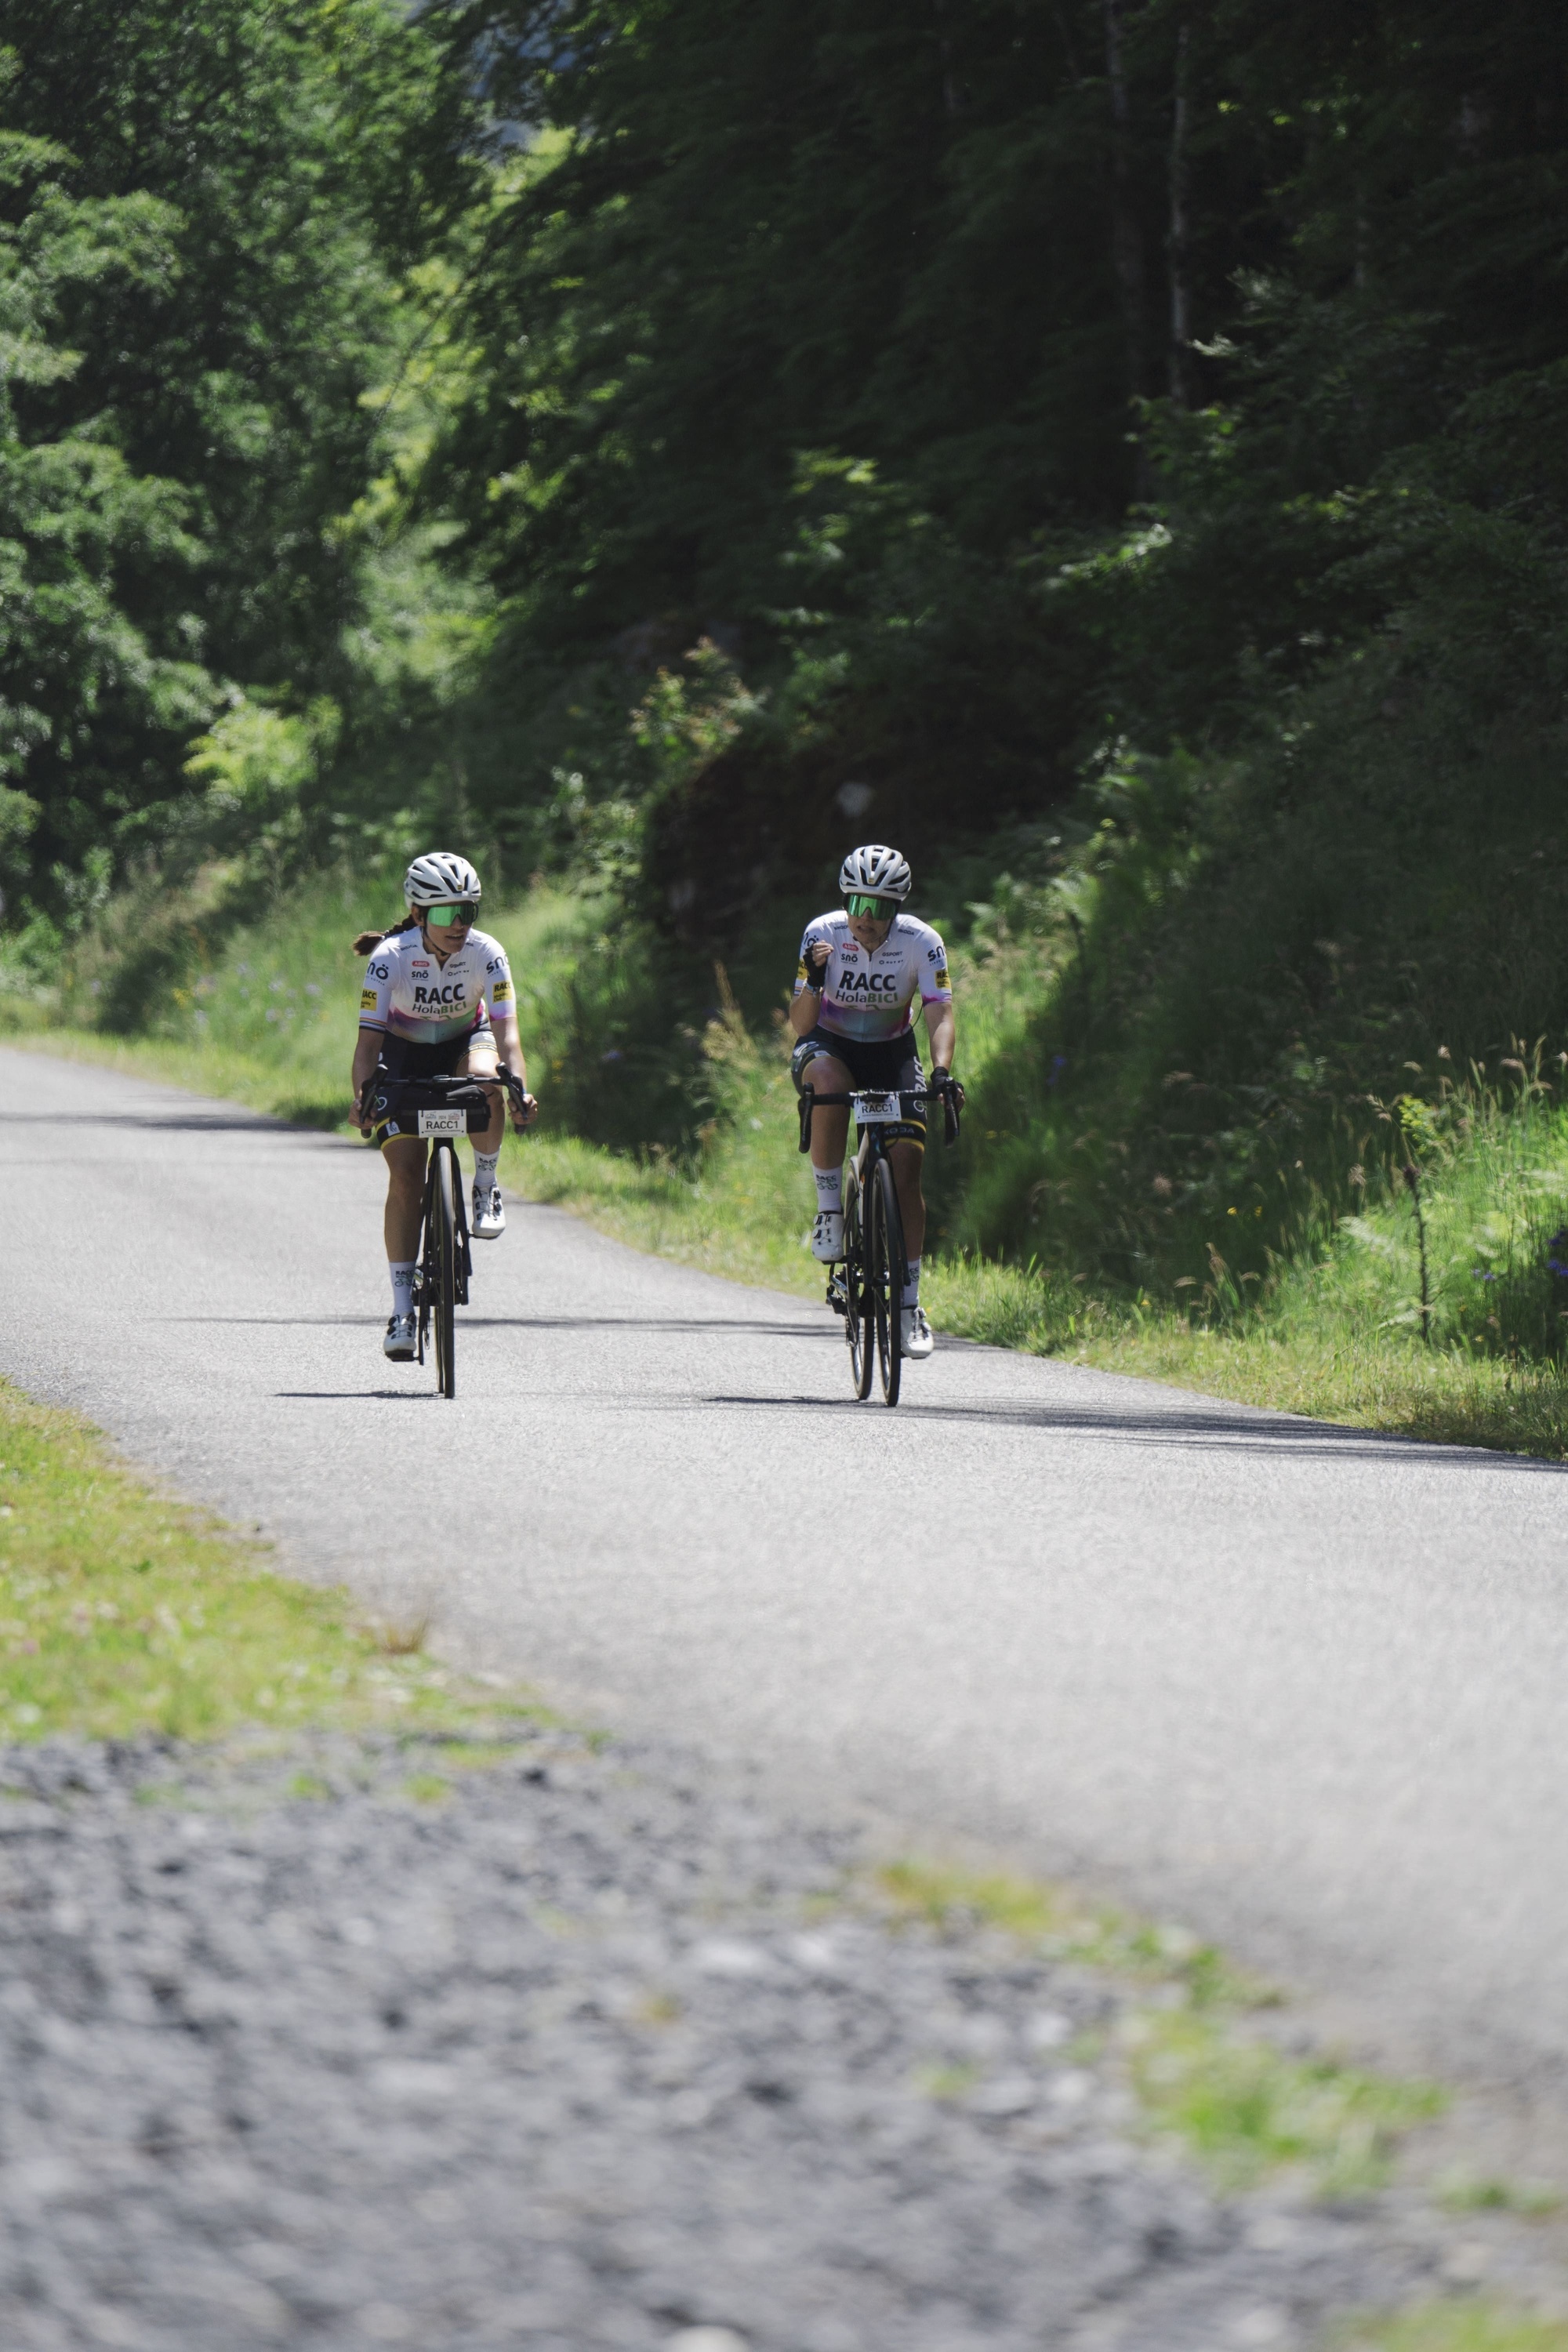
(535, 1323)
(1252, 1433)
(357, 1396)
(176, 1121)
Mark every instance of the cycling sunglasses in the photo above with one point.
(858, 903)
(443, 916)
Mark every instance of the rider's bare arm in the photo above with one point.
(806, 1004)
(942, 1031)
(509, 1050)
(367, 1045)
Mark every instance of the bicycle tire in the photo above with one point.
(888, 1257)
(857, 1294)
(443, 1218)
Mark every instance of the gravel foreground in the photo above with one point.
(590, 2053)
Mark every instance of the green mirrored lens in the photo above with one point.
(859, 904)
(443, 916)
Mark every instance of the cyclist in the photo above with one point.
(853, 1012)
(438, 1002)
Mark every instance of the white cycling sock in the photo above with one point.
(829, 1187)
(912, 1293)
(401, 1272)
(485, 1163)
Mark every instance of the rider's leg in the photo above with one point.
(829, 1128)
(481, 1062)
(488, 1218)
(829, 1134)
(405, 1158)
(907, 1158)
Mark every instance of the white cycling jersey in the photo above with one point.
(868, 995)
(409, 993)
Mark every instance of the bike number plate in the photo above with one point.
(443, 1122)
(871, 1110)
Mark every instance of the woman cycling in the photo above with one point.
(861, 969)
(438, 1002)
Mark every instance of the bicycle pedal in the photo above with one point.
(837, 1297)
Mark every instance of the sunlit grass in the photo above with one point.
(1335, 1337)
(1454, 2328)
(1061, 1926)
(121, 1612)
(1246, 2110)
(1201, 2072)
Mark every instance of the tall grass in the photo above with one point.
(1335, 1325)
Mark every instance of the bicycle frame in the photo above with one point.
(437, 1110)
(866, 1285)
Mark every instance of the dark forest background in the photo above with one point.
(1117, 449)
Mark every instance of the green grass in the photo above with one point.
(1484, 2193)
(1247, 2111)
(1203, 2074)
(270, 1019)
(121, 1612)
(1454, 2328)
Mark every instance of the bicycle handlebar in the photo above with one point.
(909, 1096)
(441, 1082)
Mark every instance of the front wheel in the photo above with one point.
(443, 1249)
(886, 1258)
(857, 1294)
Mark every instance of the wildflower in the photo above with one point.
(1484, 1273)
(1058, 1063)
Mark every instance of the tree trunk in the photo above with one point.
(1181, 353)
(1126, 242)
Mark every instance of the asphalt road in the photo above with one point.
(1297, 1688)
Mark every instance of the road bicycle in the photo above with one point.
(866, 1286)
(439, 1109)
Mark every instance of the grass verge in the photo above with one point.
(120, 1612)
(1455, 2327)
(1202, 2071)
(1334, 1342)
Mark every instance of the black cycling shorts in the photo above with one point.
(408, 1057)
(879, 1063)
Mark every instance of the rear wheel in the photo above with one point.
(857, 1297)
(444, 1238)
(886, 1257)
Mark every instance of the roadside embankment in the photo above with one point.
(1339, 1339)
(626, 2052)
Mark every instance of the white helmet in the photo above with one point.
(877, 870)
(439, 877)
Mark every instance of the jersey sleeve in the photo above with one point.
(818, 932)
(936, 987)
(376, 991)
(500, 996)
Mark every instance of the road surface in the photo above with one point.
(1298, 1688)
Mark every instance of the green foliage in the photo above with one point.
(1248, 2111)
(1467, 2326)
(118, 1614)
(1116, 453)
(196, 311)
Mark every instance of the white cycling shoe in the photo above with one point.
(828, 1236)
(399, 1342)
(489, 1216)
(916, 1340)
